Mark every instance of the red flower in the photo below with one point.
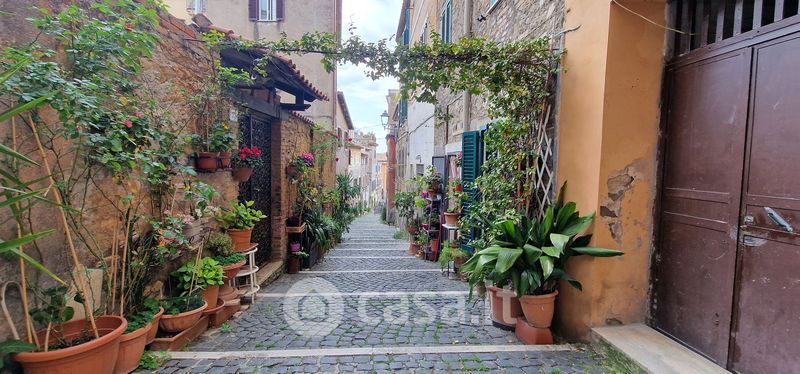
(242, 157)
(337, 158)
(458, 188)
(349, 139)
(128, 123)
(129, 27)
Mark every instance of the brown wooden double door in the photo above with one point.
(726, 273)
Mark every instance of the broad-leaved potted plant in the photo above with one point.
(203, 275)
(530, 256)
(238, 221)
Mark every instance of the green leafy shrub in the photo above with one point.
(531, 255)
(219, 244)
(241, 216)
(198, 275)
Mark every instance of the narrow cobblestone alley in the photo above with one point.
(369, 307)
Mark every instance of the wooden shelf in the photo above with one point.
(296, 229)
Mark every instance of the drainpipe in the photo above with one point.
(467, 95)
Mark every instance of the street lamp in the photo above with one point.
(384, 118)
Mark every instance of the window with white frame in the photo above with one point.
(447, 22)
(267, 10)
(423, 39)
(196, 6)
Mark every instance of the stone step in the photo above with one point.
(654, 352)
(484, 358)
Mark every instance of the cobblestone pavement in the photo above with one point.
(359, 311)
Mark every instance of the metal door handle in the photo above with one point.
(778, 220)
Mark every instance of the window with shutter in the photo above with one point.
(446, 19)
(267, 10)
(471, 162)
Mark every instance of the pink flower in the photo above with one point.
(138, 114)
(128, 123)
(128, 27)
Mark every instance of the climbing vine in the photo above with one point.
(515, 78)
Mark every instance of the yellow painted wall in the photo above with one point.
(607, 148)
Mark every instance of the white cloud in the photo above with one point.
(366, 99)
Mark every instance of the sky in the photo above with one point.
(366, 99)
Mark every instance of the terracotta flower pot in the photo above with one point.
(505, 306)
(230, 271)
(224, 160)
(538, 309)
(182, 321)
(131, 348)
(240, 238)
(94, 356)
(451, 219)
(413, 248)
(151, 333)
(242, 174)
(294, 265)
(210, 294)
(207, 161)
(218, 305)
(412, 229)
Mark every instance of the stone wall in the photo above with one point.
(179, 66)
(508, 20)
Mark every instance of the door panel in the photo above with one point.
(767, 321)
(704, 157)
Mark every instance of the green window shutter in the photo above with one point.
(471, 161)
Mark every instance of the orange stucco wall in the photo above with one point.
(607, 151)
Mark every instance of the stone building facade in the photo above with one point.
(254, 20)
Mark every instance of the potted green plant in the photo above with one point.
(452, 253)
(181, 313)
(456, 196)
(217, 138)
(200, 197)
(433, 180)
(248, 158)
(223, 140)
(295, 258)
(222, 246)
(66, 344)
(530, 256)
(203, 275)
(238, 221)
(135, 338)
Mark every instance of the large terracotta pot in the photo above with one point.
(210, 294)
(229, 271)
(294, 265)
(539, 309)
(94, 356)
(241, 174)
(182, 321)
(224, 160)
(131, 348)
(207, 161)
(505, 306)
(240, 238)
(151, 333)
(412, 229)
(451, 219)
